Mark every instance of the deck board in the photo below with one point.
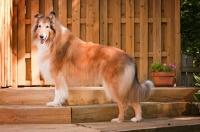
(150, 125)
(180, 124)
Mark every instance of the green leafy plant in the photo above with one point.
(197, 96)
(197, 78)
(190, 28)
(159, 67)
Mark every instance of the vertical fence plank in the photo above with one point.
(35, 74)
(10, 39)
(96, 21)
(92, 21)
(48, 6)
(130, 27)
(89, 20)
(177, 42)
(157, 31)
(170, 33)
(21, 42)
(110, 25)
(116, 23)
(10, 15)
(5, 58)
(103, 22)
(62, 12)
(14, 45)
(83, 18)
(76, 17)
(1, 40)
(5, 44)
(143, 40)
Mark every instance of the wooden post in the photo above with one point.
(143, 40)
(177, 42)
(35, 74)
(14, 45)
(21, 42)
(171, 32)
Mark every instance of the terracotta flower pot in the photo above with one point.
(163, 79)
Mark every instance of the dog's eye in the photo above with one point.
(39, 26)
(47, 26)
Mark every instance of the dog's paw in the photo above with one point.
(116, 120)
(53, 104)
(136, 119)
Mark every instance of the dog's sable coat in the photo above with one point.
(65, 60)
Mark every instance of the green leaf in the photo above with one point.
(196, 78)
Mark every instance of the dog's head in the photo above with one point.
(44, 27)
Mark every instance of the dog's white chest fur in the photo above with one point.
(44, 64)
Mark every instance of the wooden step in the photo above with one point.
(88, 95)
(19, 114)
(106, 112)
(42, 95)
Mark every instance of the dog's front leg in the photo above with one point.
(61, 92)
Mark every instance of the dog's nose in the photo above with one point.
(41, 36)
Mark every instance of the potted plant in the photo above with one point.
(163, 74)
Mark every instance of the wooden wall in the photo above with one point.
(6, 7)
(148, 30)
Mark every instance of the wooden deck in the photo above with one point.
(180, 124)
(88, 110)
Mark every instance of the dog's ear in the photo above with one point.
(52, 17)
(36, 16)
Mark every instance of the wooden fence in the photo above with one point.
(148, 30)
(6, 7)
(187, 70)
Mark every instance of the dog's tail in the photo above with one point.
(141, 90)
(131, 89)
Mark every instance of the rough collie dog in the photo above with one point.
(66, 60)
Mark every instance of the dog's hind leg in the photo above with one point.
(61, 92)
(122, 107)
(138, 111)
